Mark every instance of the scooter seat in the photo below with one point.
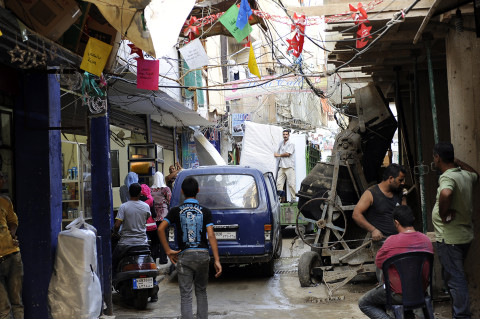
(138, 250)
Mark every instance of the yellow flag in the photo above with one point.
(252, 63)
(95, 56)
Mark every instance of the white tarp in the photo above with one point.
(259, 143)
(165, 20)
(74, 290)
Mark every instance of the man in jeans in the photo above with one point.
(11, 267)
(452, 220)
(193, 223)
(407, 240)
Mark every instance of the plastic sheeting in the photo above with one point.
(75, 290)
(302, 106)
(259, 143)
(206, 152)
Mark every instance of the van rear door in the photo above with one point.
(240, 214)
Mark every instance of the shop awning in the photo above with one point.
(163, 109)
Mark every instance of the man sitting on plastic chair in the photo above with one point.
(374, 302)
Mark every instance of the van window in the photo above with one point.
(271, 193)
(227, 191)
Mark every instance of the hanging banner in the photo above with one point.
(194, 54)
(95, 56)
(147, 74)
(271, 85)
(229, 20)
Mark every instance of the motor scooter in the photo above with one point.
(135, 276)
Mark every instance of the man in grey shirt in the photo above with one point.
(132, 216)
(286, 164)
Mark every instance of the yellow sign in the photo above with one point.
(1, 33)
(95, 56)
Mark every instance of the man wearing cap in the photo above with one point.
(11, 267)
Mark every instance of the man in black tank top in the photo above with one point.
(373, 211)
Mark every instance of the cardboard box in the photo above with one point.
(50, 18)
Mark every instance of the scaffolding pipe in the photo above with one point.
(432, 91)
(419, 150)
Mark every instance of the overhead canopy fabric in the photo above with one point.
(164, 20)
(162, 108)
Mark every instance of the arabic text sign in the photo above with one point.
(95, 56)
(147, 74)
(194, 54)
(253, 87)
(229, 20)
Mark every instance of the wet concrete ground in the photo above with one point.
(241, 292)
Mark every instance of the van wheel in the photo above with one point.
(141, 299)
(268, 268)
(278, 252)
(308, 272)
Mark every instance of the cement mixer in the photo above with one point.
(340, 249)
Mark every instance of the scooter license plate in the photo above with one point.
(142, 283)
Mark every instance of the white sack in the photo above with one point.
(259, 143)
(74, 290)
(207, 154)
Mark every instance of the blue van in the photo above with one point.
(245, 210)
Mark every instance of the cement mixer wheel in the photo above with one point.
(309, 271)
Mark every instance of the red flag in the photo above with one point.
(135, 50)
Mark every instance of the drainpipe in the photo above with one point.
(432, 87)
(420, 166)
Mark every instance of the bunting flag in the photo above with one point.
(359, 14)
(363, 33)
(295, 45)
(243, 14)
(252, 63)
(191, 30)
(136, 50)
(360, 18)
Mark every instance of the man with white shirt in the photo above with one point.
(286, 165)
